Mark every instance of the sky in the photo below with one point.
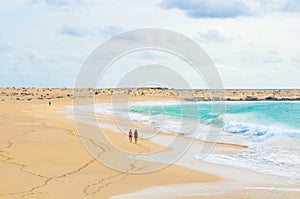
(252, 43)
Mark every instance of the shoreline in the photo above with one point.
(273, 181)
(41, 150)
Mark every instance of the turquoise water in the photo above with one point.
(286, 113)
(269, 113)
(185, 111)
(245, 118)
(271, 130)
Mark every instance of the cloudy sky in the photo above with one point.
(253, 43)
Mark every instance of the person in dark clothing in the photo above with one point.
(136, 135)
(130, 135)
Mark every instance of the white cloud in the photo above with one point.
(73, 31)
(213, 36)
(49, 40)
(230, 8)
(208, 8)
(296, 59)
(59, 3)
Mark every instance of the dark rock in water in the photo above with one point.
(286, 99)
(189, 99)
(270, 98)
(249, 98)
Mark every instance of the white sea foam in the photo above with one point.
(256, 133)
(273, 149)
(275, 161)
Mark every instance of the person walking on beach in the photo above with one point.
(49, 103)
(130, 135)
(135, 136)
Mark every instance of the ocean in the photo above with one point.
(270, 130)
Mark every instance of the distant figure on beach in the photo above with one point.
(130, 135)
(49, 103)
(135, 136)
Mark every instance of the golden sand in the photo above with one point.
(41, 155)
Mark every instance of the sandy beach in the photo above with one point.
(42, 156)
(210, 90)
